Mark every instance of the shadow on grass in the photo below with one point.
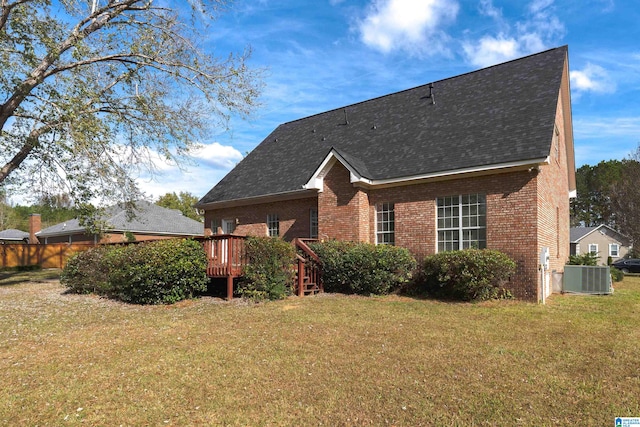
(10, 278)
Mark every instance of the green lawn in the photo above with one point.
(325, 360)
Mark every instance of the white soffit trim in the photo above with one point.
(268, 198)
(316, 181)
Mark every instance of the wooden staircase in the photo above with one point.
(308, 279)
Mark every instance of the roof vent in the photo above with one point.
(346, 119)
(431, 94)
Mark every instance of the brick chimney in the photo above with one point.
(35, 224)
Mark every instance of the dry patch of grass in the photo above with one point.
(331, 360)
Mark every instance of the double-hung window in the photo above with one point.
(462, 222)
(273, 225)
(385, 224)
(593, 248)
(614, 250)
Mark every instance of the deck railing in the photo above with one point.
(225, 254)
(226, 259)
(309, 274)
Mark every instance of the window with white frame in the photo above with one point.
(273, 225)
(313, 223)
(215, 224)
(385, 224)
(462, 222)
(614, 250)
(593, 248)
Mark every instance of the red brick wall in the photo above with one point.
(343, 210)
(294, 216)
(511, 219)
(553, 200)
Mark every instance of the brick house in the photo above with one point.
(484, 159)
(148, 222)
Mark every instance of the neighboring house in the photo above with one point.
(14, 236)
(149, 222)
(602, 240)
(484, 159)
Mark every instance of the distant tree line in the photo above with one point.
(609, 193)
(54, 209)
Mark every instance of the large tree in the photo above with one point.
(625, 198)
(94, 92)
(592, 206)
(184, 202)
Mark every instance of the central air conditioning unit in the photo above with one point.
(586, 279)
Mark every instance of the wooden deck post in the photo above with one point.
(300, 277)
(229, 287)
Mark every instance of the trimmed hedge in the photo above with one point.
(467, 275)
(86, 272)
(160, 272)
(363, 268)
(270, 269)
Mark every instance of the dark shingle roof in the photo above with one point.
(147, 218)
(495, 115)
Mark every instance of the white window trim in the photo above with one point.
(379, 206)
(611, 245)
(460, 227)
(273, 219)
(228, 226)
(597, 251)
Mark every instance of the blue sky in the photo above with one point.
(324, 54)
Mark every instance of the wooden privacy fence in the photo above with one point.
(46, 256)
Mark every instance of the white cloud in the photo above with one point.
(592, 78)
(217, 155)
(488, 9)
(210, 162)
(492, 50)
(537, 6)
(533, 34)
(409, 25)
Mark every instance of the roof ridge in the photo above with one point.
(565, 47)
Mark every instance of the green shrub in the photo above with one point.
(160, 272)
(270, 269)
(584, 259)
(468, 275)
(616, 275)
(363, 268)
(86, 272)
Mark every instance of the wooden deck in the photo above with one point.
(226, 259)
(225, 254)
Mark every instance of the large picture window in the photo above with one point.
(462, 222)
(273, 225)
(385, 224)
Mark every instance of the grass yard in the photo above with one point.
(326, 360)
